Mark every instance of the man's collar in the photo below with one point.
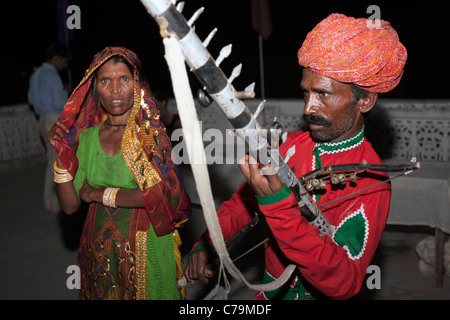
(49, 65)
(342, 145)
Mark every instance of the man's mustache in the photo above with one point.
(315, 119)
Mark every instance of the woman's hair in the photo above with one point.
(115, 59)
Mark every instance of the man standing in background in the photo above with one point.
(48, 95)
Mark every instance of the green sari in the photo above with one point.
(120, 255)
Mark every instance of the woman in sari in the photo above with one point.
(114, 154)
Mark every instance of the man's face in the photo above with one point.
(60, 63)
(328, 108)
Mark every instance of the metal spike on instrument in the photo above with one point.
(248, 92)
(224, 53)
(180, 6)
(235, 73)
(250, 87)
(209, 37)
(195, 16)
(259, 109)
(219, 88)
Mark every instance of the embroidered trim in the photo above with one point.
(338, 146)
(343, 145)
(132, 146)
(366, 232)
(141, 265)
(292, 285)
(296, 289)
(322, 152)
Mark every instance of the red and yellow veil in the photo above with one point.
(146, 146)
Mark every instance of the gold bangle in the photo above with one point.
(61, 175)
(109, 197)
(61, 178)
(59, 170)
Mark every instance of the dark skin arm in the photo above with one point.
(68, 198)
(263, 181)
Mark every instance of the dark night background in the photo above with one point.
(29, 27)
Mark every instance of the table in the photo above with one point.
(422, 198)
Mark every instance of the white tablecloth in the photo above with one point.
(422, 197)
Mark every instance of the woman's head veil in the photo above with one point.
(146, 146)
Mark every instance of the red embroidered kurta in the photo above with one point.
(335, 265)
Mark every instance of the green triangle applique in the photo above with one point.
(352, 233)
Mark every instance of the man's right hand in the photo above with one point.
(197, 267)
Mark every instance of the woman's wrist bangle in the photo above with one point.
(61, 175)
(55, 166)
(62, 178)
(109, 197)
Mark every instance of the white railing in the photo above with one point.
(398, 129)
(19, 133)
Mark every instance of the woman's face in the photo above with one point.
(115, 88)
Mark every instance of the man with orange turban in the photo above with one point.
(346, 63)
(354, 51)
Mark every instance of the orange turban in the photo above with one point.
(347, 50)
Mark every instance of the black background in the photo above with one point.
(28, 27)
